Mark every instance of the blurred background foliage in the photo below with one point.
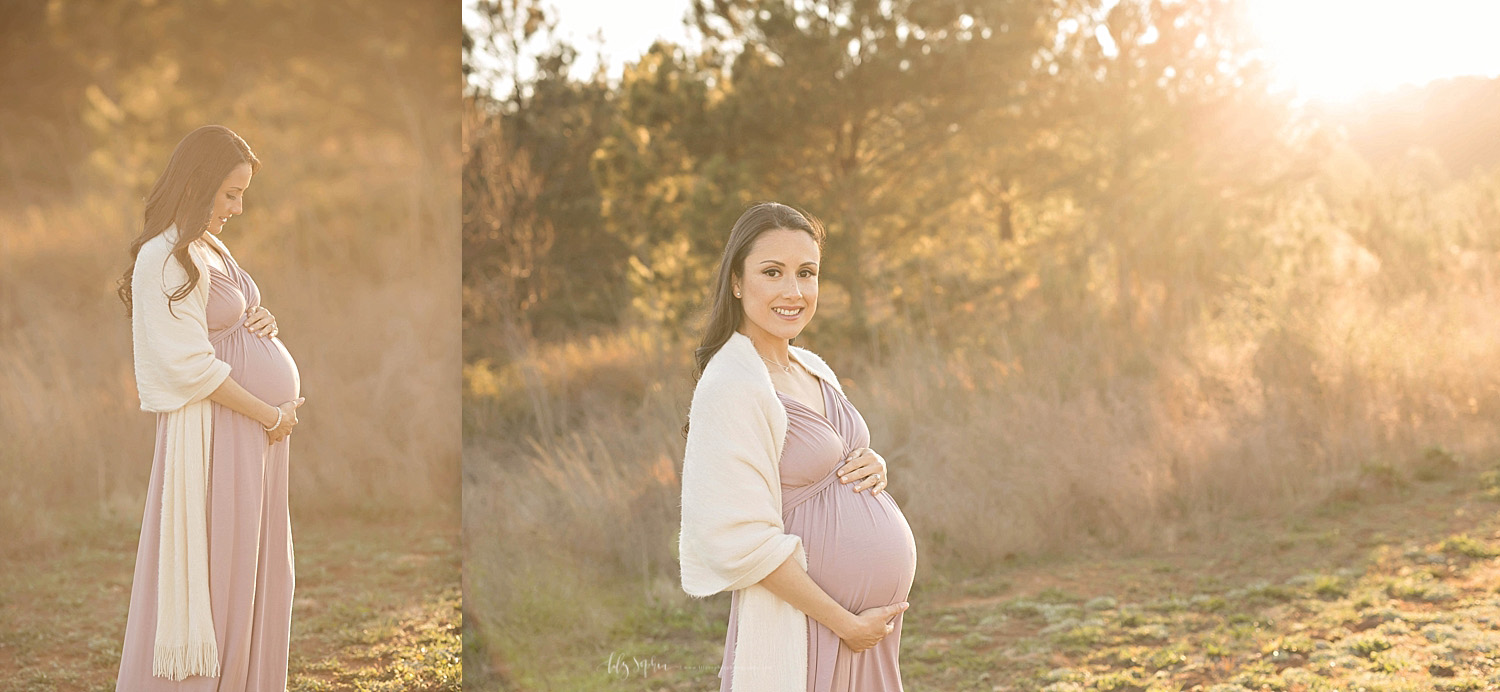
(1090, 276)
(911, 129)
(352, 107)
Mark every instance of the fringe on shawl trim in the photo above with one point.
(177, 662)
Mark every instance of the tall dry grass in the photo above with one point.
(1343, 366)
(580, 491)
(355, 252)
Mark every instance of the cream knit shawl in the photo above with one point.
(175, 371)
(732, 532)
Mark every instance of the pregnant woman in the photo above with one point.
(211, 602)
(781, 495)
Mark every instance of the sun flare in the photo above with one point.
(1335, 50)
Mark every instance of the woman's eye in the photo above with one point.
(772, 272)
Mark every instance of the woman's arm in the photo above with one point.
(791, 583)
(732, 531)
(240, 400)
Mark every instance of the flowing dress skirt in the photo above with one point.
(250, 535)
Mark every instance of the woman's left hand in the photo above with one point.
(865, 469)
(261, 322)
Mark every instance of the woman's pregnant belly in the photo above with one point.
(859, 547)
(261, 365)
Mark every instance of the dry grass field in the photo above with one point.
(361, 271)
(377, 608)
(1394, 592)
(1360, 370)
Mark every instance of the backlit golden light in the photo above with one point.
(1335, 50)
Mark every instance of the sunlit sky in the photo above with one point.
(1337, 50)
(1324, 49)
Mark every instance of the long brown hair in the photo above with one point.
(184, 195)
(724, 310)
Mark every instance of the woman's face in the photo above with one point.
(230, 199)
(778, 285)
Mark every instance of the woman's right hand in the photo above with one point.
(288, 420)
(871, 625)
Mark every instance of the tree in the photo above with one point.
(851, 108)
(552, 125)
(505, 239)
(1183, 145)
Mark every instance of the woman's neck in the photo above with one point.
(771, 348)
(214, 251)
(211, 241)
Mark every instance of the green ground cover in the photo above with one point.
(377, 608)
(1390, 591)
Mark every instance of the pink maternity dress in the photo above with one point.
(859, 547)
(250, 535)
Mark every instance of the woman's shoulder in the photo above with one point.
(219, 245)
(729, 395)
(733, 374)
(161, 245)
(158, 247)
(816, 364)
(154, 262)
(723, 373)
